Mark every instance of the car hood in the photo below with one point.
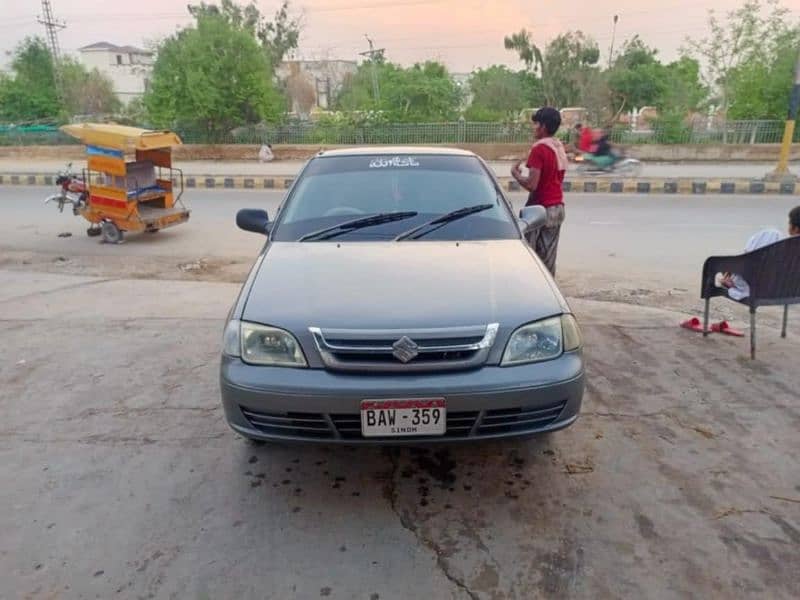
(397, 285)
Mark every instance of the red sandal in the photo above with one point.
(693, 324)
(724, 328)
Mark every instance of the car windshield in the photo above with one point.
(334, 191)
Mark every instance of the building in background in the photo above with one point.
(128, 67)
(314, 84)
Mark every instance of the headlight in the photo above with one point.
(543, 340)
(262, 345)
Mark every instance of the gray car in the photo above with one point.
(396, 301)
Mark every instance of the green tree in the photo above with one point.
(424, 92)
(277, 37)
(685, 91)
(637, 78)
(499, 93)
(134, 113)
(30, 93)
(744, 36)
(568, 65)
(529, 53)
(214, 77)
(356, 92)
(760, 88)
(87, 92)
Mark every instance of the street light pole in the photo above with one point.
(782, 170)
(613, 38)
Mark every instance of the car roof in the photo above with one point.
(395, 151)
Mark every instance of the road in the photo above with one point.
(502, 168)
(119, 477)
(612, 246)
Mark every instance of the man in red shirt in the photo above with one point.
(547, 165)
(586, 139)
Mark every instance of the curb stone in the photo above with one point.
(579, 185)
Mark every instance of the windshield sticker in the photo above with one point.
(383, 162)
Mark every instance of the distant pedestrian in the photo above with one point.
(265, 154)
(547, 165)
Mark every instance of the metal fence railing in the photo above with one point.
(459, 132)
(393, 133)
(732, 132)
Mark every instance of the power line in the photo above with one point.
(495, 44)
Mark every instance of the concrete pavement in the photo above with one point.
(118, 476)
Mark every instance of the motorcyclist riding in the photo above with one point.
(603, 154)
(601, 157)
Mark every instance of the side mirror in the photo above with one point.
(253, 219)
(532, 217)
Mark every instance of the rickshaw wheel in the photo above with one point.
(94, 231)
(111, 233)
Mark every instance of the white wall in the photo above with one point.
(129, 78)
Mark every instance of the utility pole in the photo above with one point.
(53, 26)
(613, 38)
(782, 170)
(372, 53)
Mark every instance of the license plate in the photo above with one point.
(395, 418)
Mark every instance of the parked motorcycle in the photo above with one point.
(73, 191)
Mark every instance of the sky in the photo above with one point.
(463, 34)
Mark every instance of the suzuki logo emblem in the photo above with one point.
(405, 349)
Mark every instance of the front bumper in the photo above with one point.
(312, 405)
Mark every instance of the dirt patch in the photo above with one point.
(178, 268)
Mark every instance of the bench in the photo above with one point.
(773, 274)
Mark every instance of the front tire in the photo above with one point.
(111, 233)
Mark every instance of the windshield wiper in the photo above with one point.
(360, 223)
(442, 221)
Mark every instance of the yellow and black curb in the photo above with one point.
(648, 185)
(206, 182)
(582, 185)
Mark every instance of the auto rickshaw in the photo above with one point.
(129, 183)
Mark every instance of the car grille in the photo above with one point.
(293, 424)
(431, 350)
(463, 424)
(516, 420)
